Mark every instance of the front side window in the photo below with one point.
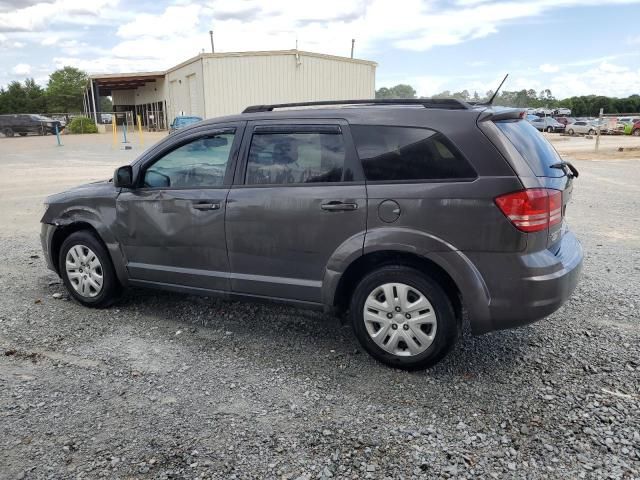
(199, 163)
(402, 153)
(295, 157)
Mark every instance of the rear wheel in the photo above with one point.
(87, 271)
(549, 129)
(8, 132)
(592, 132)
(23, 134)
(403, 318)
(636, 132)
(571, 132)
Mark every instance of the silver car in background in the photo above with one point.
(582, 127)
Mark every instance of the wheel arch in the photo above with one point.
(71, 224)
(369, 262)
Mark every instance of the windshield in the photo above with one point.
(533, 147)
(40, 118)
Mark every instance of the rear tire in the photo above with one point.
(8, 132)
(412, 331)
(592, 132)
(87, 271)
(636, 132)
(571, 132)
(549, 129)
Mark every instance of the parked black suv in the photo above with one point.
(23, 124)
(400, 213)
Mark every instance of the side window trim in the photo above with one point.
(148, 162)
(351, 159)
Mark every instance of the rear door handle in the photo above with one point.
(339, 206)
(207, 206)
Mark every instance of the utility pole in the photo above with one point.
(211, 36)
(353, 42)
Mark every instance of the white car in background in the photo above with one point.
(582, 127)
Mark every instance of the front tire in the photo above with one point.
(592, 132)
(403, 318)
(549, 129)
(87, 271)
(571, 132)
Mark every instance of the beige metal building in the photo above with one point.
(215, 84)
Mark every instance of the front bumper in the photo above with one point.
(46, 238)
(528, 287)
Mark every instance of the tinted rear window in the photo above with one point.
(533, 147)
(401, 153)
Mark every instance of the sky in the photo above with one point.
(572, 47)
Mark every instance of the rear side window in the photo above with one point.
(402, 153)
(533, 147)
(295, 157)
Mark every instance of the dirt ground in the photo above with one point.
(175, 386)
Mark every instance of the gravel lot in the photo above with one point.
(173, 386)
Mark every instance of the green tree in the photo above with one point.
(106, 105)
(399, 91)
(64, 90)
(23, 98)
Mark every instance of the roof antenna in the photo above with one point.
(493, 97)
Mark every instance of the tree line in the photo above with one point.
(63, 94)
(585, 105)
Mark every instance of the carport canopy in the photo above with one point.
(123, 81)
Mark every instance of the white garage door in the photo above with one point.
(193, 95)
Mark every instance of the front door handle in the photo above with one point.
(207, 206)
(336, 206)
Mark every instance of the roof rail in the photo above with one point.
(445, 103)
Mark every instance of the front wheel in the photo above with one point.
(87, 271)
(571, 132)
(549, 129)
(592, 132)
(403, 318)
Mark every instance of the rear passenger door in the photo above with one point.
(298, 195)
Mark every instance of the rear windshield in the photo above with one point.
(533, 147)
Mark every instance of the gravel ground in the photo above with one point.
(173, 386)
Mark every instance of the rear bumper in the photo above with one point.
(528, 287)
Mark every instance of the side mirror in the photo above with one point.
(123, 177)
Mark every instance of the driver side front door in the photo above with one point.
(172, 226)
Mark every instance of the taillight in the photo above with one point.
(533, 209)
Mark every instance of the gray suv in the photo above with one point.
(399, 214)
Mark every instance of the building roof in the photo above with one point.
(128, 80)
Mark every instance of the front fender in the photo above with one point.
(101, 218)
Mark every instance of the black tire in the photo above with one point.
(571, 132)
(8, 132)
(111, 288)
(636, 132)
(549, 129)
(591, 132)
(22, 134)
(447, 326)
